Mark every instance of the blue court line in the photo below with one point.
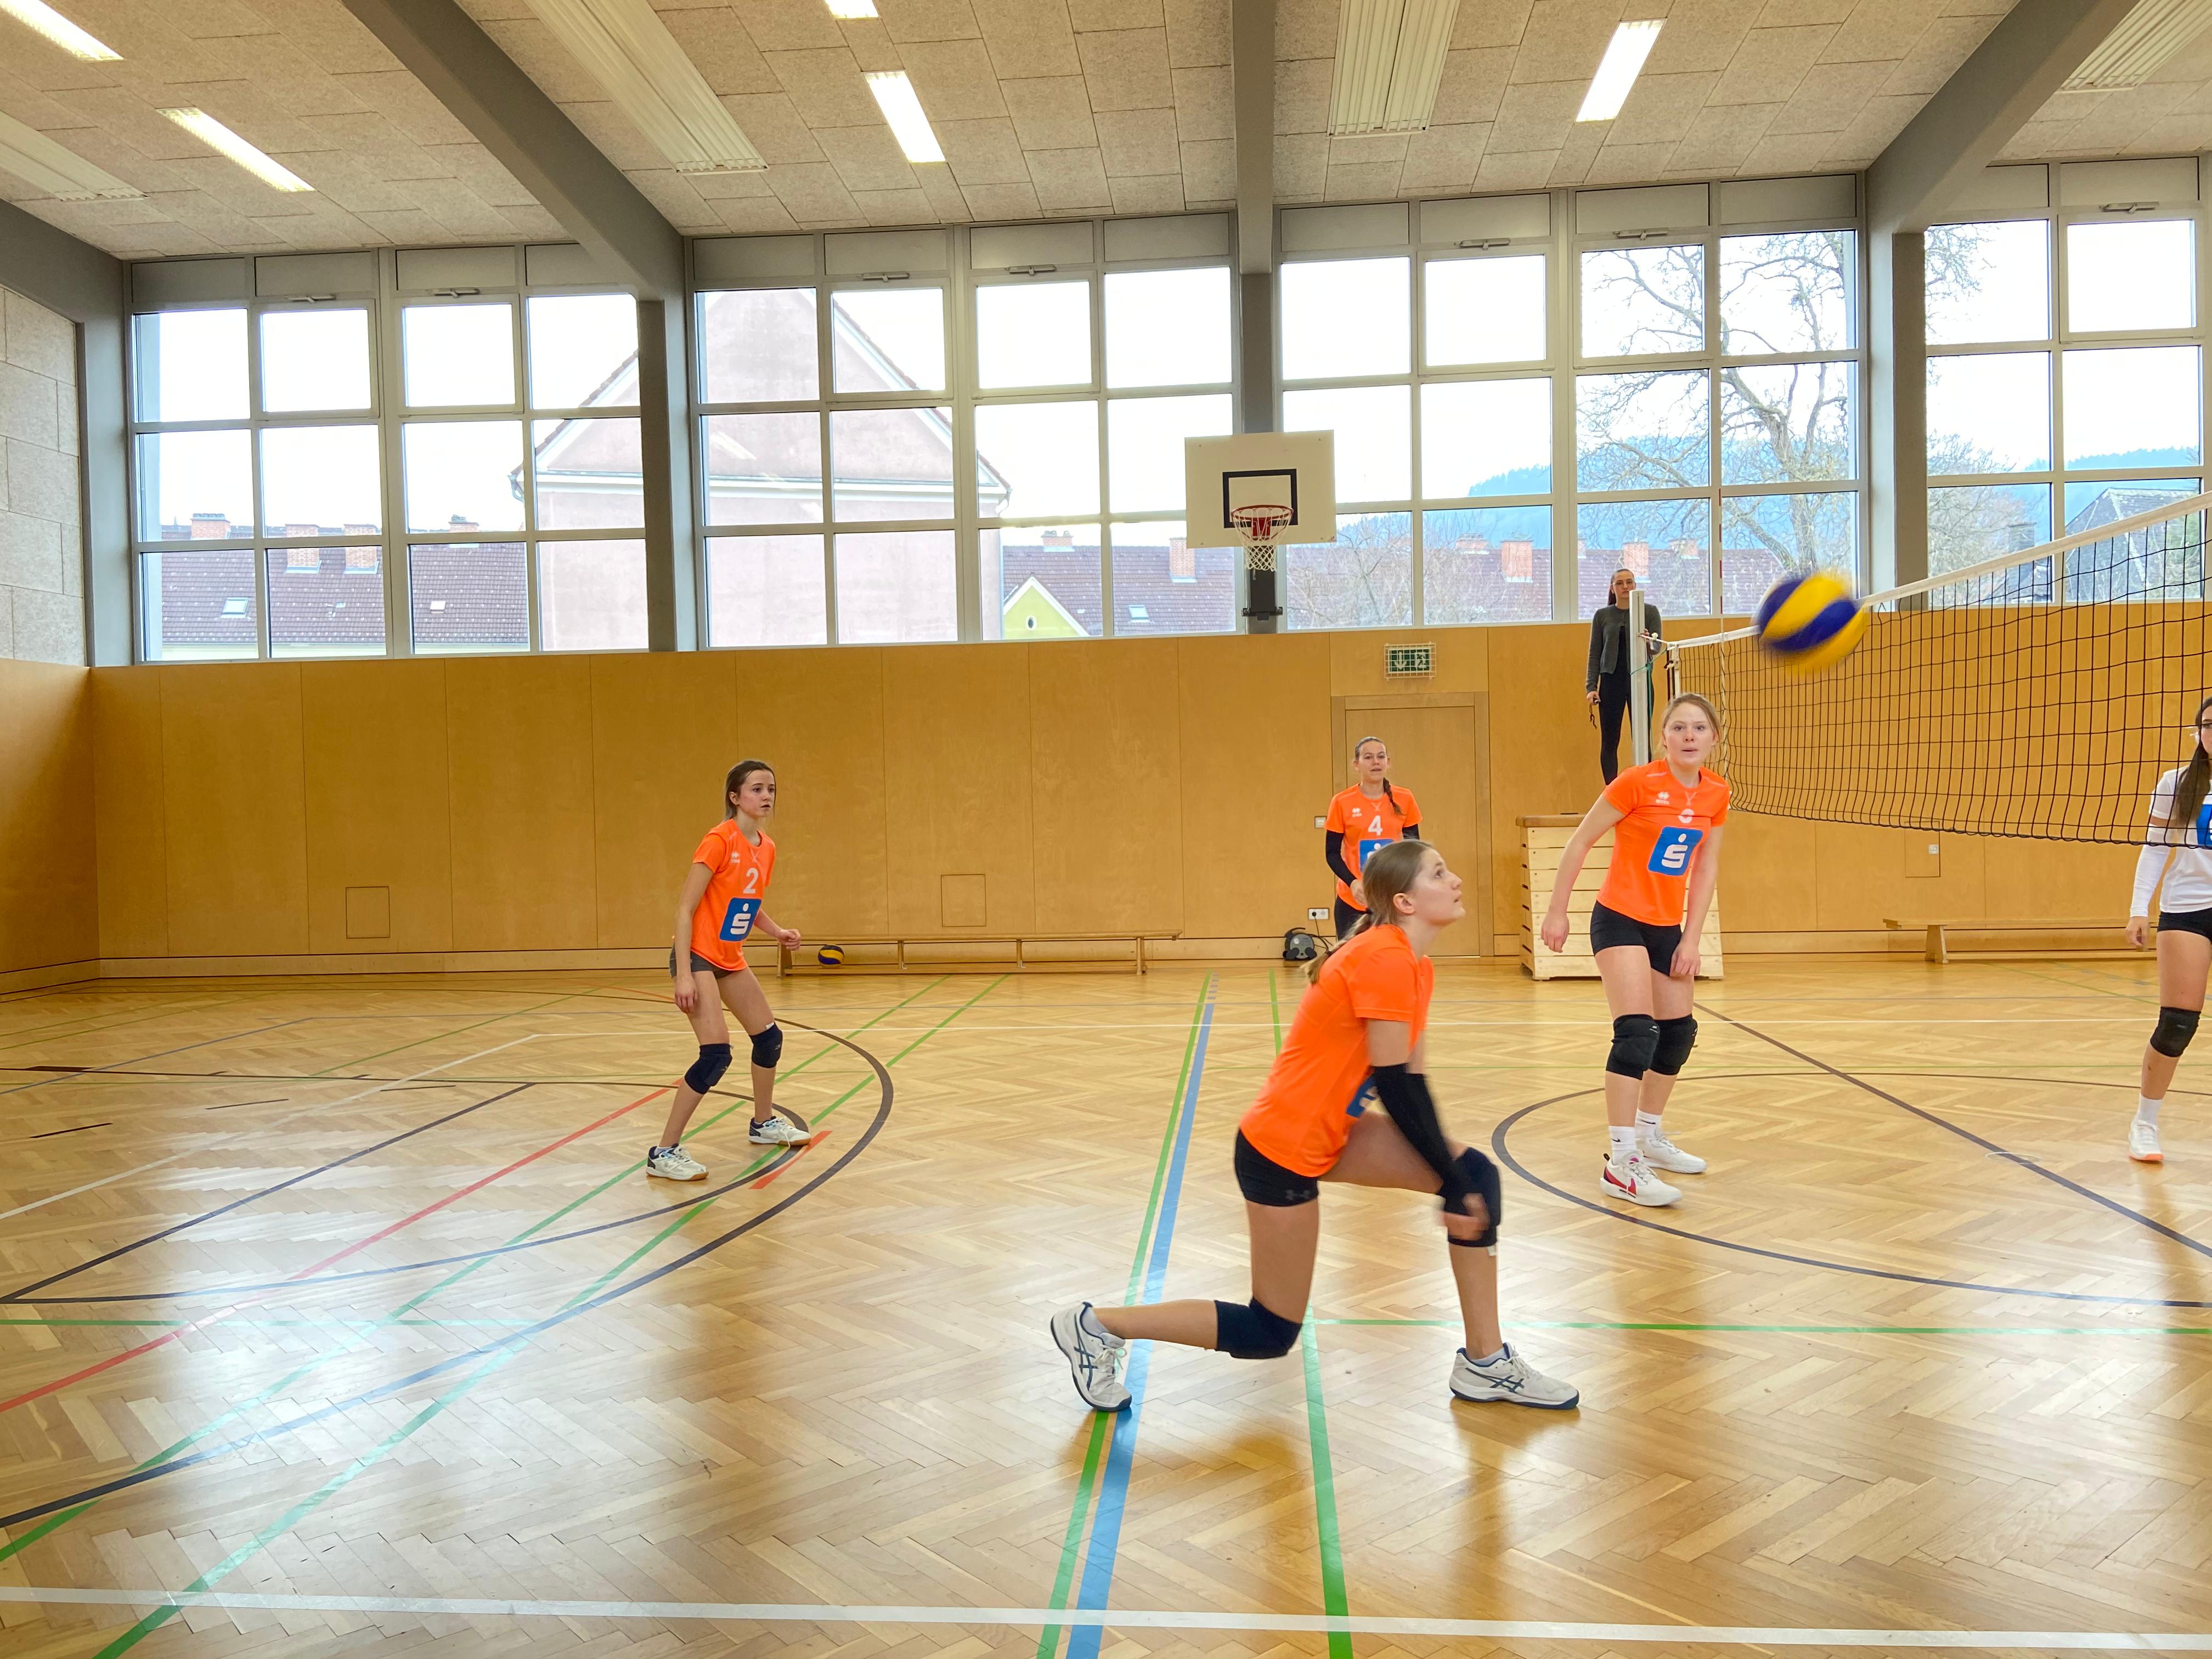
(1114, 1491)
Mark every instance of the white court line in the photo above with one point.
(789, 1613)
(244, 1135)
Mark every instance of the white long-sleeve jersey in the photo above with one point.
(2189, 882)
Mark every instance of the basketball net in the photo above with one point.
(1260, 525)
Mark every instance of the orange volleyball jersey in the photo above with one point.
(1655, 845)
(735, 890)
(1368, 826)
(1319, 1083)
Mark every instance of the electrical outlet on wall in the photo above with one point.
(1320, 821)
(1923, 854)
(1316, 914)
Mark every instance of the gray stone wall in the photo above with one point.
(41, 525)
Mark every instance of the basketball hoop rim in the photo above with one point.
(1260, 523)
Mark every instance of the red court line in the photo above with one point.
(112, 1361)
(803, 1151)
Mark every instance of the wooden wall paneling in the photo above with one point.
(379, 806)
(818, 717)
(1253, 721)
(956, 772)
(1770, 872)
(1108, 804)
(49, 879)
(1858, 877)
(234, 792)
(519, 756)
(1543, 749)
(664, 737)
(2054, 878)
(129, 820)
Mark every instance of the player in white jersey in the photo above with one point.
(2181, 832)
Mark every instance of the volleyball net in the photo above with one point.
(2038, 694)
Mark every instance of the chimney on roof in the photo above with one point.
(1472, 544)
(363, 560)
(1057, 538)
(1685, 546)
(459, 523)
(1516, 559)
(361, 530)
(1636, 556)
(1182, 562)
(210, 527)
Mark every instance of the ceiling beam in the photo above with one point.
(1252, 57)
(2025, 58)
(488, 93)
(62, 274)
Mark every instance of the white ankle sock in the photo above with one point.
(2146, 1110)
(1622, 1137)
(1646, 1123)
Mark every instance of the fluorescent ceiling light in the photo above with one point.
(37, 14)
(895, 97)
(631, 52)
(2140, 44)
(215, 136)
(1390, 60)
(849, 9)
(38, 161)
(1617, 71)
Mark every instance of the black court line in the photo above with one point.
(137, 1059)
(21, 1292)
(1988, 1146)
(386, 1390)
(1504, 1155)
(79, 1130)
(233, 1105)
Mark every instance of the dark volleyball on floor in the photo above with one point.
(830, 956)
(1810, 621)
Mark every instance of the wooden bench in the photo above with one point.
(788, 963)
(1939, 948)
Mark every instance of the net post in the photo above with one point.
(1639, 687)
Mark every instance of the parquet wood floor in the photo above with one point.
(343, 1305)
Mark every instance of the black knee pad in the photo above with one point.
(1252, 1331)
(707, 1070)
(767, 1048)
(2174, 1029)
(1635, 1040)
(1676, 1038)
(1481, 1174)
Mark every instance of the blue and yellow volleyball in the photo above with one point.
(1810, 622)
(830, 956)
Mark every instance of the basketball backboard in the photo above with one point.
(1296, 469)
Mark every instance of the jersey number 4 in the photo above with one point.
(1670, 854)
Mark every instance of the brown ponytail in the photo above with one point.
(2188, 789)
(1391, 872)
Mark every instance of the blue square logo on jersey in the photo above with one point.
(738, 920)
(1670, 854)
(1369, 845)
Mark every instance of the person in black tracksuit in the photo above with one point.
(1606, 682)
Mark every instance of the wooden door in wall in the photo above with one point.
(1435, 739)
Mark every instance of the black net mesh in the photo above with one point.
(2042, 697)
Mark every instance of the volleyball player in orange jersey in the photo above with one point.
(1667, 818)
(1369, 815)
(720, 908)
(1357, 1037)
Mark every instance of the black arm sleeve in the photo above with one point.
(1413, 832)
(1597, 642)
(1333, 850)
(1406, 1097)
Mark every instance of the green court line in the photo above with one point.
(1815, 1330)
(1101, 1422)
(291, 1517)
(397, 1315)
(1333, 1602)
